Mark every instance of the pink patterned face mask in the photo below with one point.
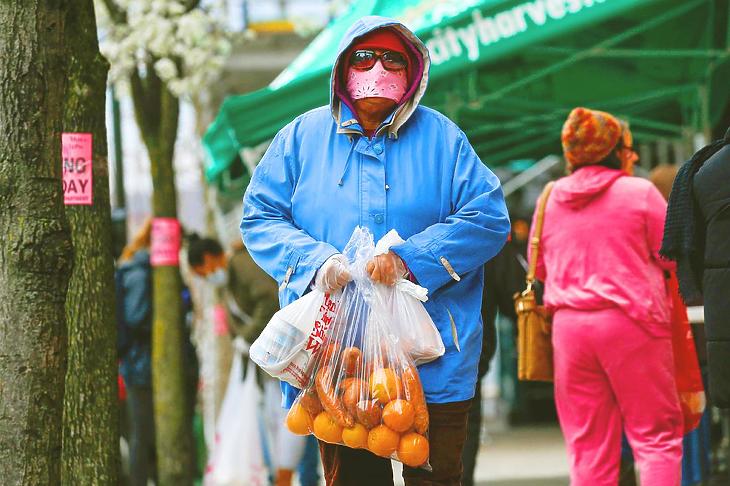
(377, 82)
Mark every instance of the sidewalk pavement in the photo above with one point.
(524, 456)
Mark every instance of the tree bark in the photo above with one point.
(91, 409)
(156, 112)
(35, 247)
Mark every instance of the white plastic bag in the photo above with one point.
(237, 457)
(418, 335)
(286, 345)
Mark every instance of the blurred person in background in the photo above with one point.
(520, 235)
(251, 298)
(604, 285)
(662, 176)
(504, 275)
(119, 241)
(133, 279)
(697, 237)
(374, 158)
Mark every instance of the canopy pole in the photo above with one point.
(587, 53)
(704, 88)
(727, 31)
(501, 142)
(551, 137)
(648, 122)
(525, 177)
(524, 122)
(635, 53)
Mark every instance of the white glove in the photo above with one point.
(333, 274)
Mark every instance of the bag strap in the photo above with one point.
(537, 235)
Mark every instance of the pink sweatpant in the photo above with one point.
(611, 375)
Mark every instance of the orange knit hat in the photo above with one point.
(589, 136)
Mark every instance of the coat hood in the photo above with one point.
(345, 119)
(584, 185)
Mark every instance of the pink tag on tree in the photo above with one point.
(76, 150)
(165, 244)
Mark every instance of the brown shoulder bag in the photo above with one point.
(534, 346)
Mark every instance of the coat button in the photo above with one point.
(378, 149)
(379, 218)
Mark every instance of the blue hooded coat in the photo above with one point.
(418, 174)
(133, 281)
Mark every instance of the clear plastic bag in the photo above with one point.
(237, 456)
(293, 335)
(418, 334)
(419, 337)
(364, 390)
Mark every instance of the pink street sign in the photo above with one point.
(166, 239)
(76, 150)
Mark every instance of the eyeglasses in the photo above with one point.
(365, 59)
(625, 148)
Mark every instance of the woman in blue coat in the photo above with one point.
(374, 157)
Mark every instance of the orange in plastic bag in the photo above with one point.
(299, 421)
(413, 449)
(364, 391)
(326, 428)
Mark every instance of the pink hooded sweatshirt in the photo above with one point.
(600, 247)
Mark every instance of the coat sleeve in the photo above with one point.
(474, 232)
(284, 251)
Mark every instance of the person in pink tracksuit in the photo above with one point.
(604, 284)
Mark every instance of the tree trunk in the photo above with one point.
(91, 415)
(35, 247)
(157, 117)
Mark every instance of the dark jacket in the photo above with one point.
(134, 319)
(504, 275)
(711, 188)
(252, 296)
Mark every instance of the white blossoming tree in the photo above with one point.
(164, 50)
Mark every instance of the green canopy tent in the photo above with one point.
(508, 71)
